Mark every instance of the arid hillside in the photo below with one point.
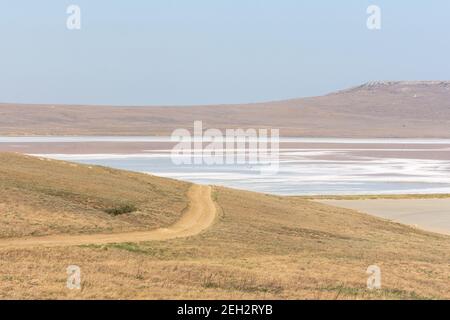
(259, 246)
(43, 197)
(380, 109)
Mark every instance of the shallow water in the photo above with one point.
(307, 166)
(302, 175)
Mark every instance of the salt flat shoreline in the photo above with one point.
(433, 149)
(427, 214)
(427, 210)
(308, 166)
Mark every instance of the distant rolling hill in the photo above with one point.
(419, 109)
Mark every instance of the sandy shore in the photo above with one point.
(427, 214)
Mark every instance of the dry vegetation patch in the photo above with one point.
(40, 196)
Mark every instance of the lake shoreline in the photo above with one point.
(308, 167)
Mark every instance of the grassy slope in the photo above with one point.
(260, 247)
(41, 197)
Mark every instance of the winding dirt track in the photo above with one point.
(199, 216)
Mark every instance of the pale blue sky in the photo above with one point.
(151, 52)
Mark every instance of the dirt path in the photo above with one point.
(199, 216)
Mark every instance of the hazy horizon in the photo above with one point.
(202, 52)
(217, 103)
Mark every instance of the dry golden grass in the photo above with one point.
(260, 247)
(41, 197)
